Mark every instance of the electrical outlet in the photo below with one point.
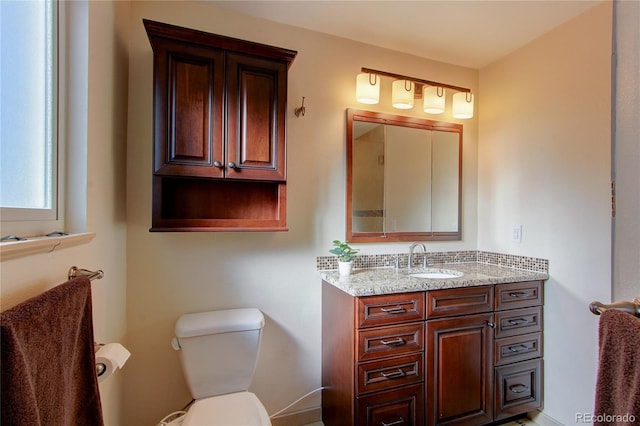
(516, 234)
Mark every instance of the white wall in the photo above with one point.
(98, 168)
(544, 162)
(174, 273)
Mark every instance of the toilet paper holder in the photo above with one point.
(110, 359)
(101, 367)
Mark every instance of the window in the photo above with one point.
(29, 117)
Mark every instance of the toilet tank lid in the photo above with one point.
(214, 322)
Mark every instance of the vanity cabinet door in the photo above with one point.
(459, 370)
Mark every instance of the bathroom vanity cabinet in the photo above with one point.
(219, 132)
(458, 356)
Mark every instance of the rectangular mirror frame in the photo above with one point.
(397, 120)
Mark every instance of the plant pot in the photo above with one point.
(344, 267)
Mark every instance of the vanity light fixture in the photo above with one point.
(405, 89)
(402, 93)
(463, 105)
(433, 99)
(368, 88)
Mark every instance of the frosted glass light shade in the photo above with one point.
(463, 105)
(433, 99)
(367, 88)
(402, 94)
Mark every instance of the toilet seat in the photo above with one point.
(234, 409)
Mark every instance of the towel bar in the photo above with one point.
(74, 272)
(632, 308)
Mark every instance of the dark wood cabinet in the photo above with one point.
(463, 356)
(219, 132)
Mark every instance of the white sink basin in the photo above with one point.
(435, 274)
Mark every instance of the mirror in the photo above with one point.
(403, 178)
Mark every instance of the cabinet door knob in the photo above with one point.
(491, 324)
(232, 165)
(217, 164)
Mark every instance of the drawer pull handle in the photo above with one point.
(393, 375)
(397, 422)
(394, 310)
(519, 348)
(519, 294)
(519, 321)
(394, 342)
(518, 388)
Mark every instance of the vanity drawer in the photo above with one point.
(389, 373)
(459, 301)
(518, 295)
(390, 341)
(518, 388)
(390, 309)
(395, 407)
(517, 348)
(518, 321)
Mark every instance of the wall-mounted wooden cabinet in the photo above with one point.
(219, 132)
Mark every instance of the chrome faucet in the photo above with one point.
(412, 247)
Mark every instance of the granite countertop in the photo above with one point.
(367, 282)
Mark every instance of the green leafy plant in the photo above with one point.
(344, 252)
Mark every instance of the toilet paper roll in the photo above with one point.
(109, 358)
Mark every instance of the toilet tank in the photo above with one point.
(219, 350)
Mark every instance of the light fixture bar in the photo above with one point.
(416, 80)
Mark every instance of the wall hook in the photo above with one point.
(301, 110)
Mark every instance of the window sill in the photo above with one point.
(14, 249)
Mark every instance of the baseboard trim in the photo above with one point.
(542, 419)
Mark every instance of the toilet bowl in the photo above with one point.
(234, 409)
(218, 352)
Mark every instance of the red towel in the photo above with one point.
(48, 359)
(618, 383)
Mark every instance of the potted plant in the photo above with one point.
(345, 254)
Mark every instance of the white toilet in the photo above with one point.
(218, 351)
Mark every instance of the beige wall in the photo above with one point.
(174, 273)
(97, 165)
(544, 163)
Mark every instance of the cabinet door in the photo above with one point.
(459, 370)
(256, 109)
(188, 93)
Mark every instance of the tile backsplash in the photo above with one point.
(324, 263)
